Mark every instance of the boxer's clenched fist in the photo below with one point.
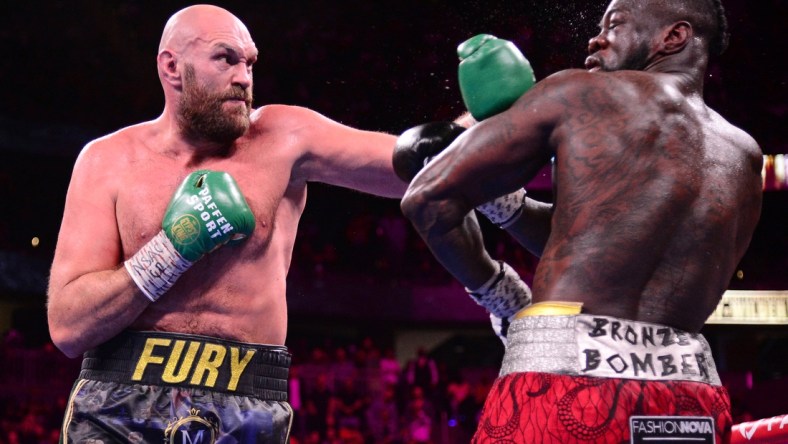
(206, 211)
(493, 74)
(418, 145)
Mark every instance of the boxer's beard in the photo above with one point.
(636, 60)
(202, 115)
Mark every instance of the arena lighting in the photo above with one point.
(751, 307)
(775, 172)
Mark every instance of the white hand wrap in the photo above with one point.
(500, 327)
(504, 210)
(156, 267)
(504, 294)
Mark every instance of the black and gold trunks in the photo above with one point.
(171, 359)
(157, 387)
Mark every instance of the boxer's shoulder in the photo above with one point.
(117, 145)
(735, 135)
(572, 90)
(104, 163)
(283, 118)
(574, 79)
(624, 84)
(292, 129)
(278, 129)
(631, 97)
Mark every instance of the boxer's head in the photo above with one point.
(205, 65)
(636, 33)
(207, 114)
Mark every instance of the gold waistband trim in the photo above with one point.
(550, 308)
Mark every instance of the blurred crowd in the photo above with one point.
(361, 393)
(375, 242)
(35, 381)
(363, 69)
(358, 392)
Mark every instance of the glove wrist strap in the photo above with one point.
(156, 267)
(504, 294)
(505, 210)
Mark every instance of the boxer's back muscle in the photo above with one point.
(656, 200)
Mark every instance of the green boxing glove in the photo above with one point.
(206, 211)
(493, 74)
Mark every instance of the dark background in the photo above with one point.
(75, 70)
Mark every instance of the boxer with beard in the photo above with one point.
(170, 267)
(656, 197)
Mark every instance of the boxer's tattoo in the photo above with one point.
(615, 165)
(631, 180)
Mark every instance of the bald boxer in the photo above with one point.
(656, 197)
(169, 272)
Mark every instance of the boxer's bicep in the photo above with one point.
(88, 240)
(91, 296)
(340, 155)
(497, 156)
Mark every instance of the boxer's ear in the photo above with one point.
(676, 37)
(167, 63)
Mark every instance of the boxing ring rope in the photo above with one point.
(763, 431)
(753, 307)
(763, 308)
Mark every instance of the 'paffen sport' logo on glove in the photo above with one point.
(187, 228)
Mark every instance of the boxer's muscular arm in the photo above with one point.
(91, 297)
(347, 157)
(494, 157)
(493, 74)
(532, 228)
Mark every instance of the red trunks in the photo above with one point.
(552, 408)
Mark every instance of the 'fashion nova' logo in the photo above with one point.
(672, 427)
(669, 429)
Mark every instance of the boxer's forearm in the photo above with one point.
(532, 228)
(461, 251)
(453, 236)
(92, 309)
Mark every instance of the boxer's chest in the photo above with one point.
(142, 202)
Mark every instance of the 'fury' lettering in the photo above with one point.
(201, 363)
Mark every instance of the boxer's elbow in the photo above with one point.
(428, 212)
(416, 206)
(64, 337)
(65, 343)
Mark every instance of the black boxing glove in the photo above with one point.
(418, 145)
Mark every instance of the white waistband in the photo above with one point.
(603, 346)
